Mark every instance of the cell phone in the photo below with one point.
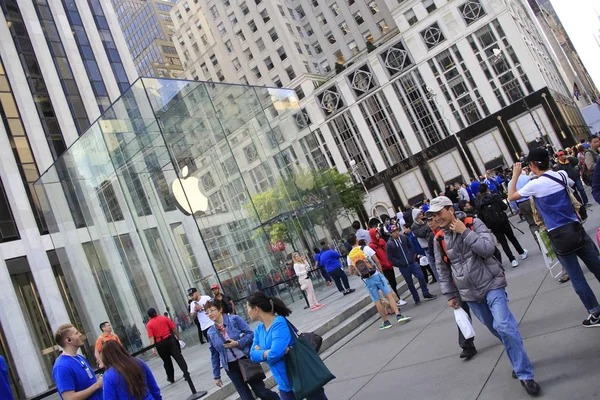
(228, 341)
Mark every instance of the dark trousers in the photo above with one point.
(462, 342)
(390, 275)
(202, 334)
(340, 277)
(324, 274)
(504, 233)
(258, 386)
(407, 272)
(168, 348)
(318, 395)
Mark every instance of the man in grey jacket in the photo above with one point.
(468, 272)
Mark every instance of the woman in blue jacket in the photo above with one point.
(230, 339)
(126, 378)
(272, 340)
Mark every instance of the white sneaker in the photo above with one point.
(514, 263)
(401, 303)
(525, 254)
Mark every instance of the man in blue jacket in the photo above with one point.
(330, 259)
(400, 252)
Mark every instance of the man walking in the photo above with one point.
(401, 254)
(567, 236)
(472, 274)
(591, 154)
(423, 233)
(106, 335)
(491, 212)
(197, 311)
(570, 165)
(363, 261)
(228, 304)
(162, 331)
(73, 375)
(331, 260)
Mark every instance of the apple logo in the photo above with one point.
(188, 196)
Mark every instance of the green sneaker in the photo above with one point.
(385, 325)
(402, 318)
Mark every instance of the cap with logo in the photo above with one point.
(192, 290)
(437, 204)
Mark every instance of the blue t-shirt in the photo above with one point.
(330, 259)
(74, 373)
(5, 390)
(317, 258)
(551, 199)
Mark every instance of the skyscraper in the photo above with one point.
(148, 28)
(62, 63)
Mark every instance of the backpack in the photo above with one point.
(362, 263)
(586, 173)
(439, 236)
(492, 215)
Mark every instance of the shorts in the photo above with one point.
(376, 283)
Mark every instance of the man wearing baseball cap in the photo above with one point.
(550, 192)
(468, 271)
(228, 304)
(197, 311)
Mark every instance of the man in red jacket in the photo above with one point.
(378, 245)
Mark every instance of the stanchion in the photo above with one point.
(195, 394)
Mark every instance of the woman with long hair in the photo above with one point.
(126, 378)
(230, 338)
(301, 269)
(272, 340)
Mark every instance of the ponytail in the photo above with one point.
(268, 304)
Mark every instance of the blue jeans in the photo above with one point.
(258, 386)
(495, 314)
(318, 395)
(407, 272)
(589, 256)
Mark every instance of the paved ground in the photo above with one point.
(420, 359)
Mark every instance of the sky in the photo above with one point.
(581, 21)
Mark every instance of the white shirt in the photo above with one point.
(463, 194)
(205, 322)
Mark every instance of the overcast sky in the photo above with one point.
(580, 19)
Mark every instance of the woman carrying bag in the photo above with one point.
(230, 338)
(274, 339)
(301, 270)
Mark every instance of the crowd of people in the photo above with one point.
(451, 239)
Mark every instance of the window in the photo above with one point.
(244, 8)
(351, 145)
(257, 2)
(260, 44)
(299, 92)
(339, 56)
(330, 37)
(306, 66)
(344, 27)
(277, 82)
(229, 46)
(248, 54)
(432, 36)
(256, 72)
(236, 64)
(373, 7)
(411, 18)
(273, 34)
(300, 12)
(358, 18)
(265, 16)
(227, 3)
(368, 37)
(383, 27)
(269, 63)
(204, 68)
(282, 54)
(252, 25)
(315, 3)
(308, 50)
(429, 6)
(281, 10)
(290, 29)
(471, 11)
(317, 48)
(321, 19)
(241, 36)
(233, 19)
(325, 66)
(350, 2)
(353, 47)
(214, 12)
(335, 9)
(308, 30)
(221, 28)
(213, 59)
(290, 72)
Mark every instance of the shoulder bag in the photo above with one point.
(568, 238)
(250, 370)
(314, 339)
(306, 371)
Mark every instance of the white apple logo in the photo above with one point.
(188, 195)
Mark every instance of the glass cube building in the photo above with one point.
(186, 184)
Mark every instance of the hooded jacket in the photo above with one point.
(472, 267)
(379, 247)
(422, 233)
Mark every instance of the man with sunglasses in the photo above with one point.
(469, 272)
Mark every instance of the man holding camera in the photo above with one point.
(469, 272)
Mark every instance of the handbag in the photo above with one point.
(464, 323)
(306, 371)
(250, 370)
(314, 339)
(568, 238)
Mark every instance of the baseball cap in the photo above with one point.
(215, 286)
(537, 155)
(438, 203)
(560, 153)
(192, 290)
(393, 228)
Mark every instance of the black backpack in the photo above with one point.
(492, 215)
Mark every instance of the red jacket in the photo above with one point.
(379, 247)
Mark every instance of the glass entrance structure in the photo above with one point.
(185, 183)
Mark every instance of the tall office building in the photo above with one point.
(148, 28)
(62, 63)
(272, 42)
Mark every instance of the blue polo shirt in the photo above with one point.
(74, 373)
(330, 259)
(5, 390)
